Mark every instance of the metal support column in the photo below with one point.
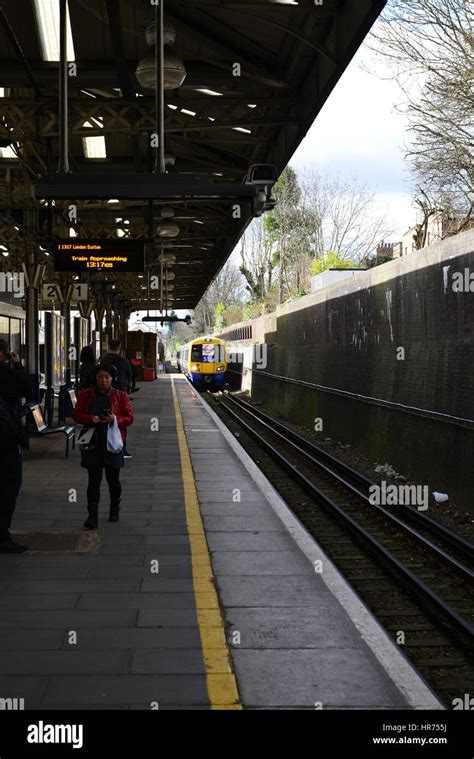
(66, 312)
(63, 90)
(160, 88)
(32, 320)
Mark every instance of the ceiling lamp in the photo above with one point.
(169, 33)
(168, 229)
(167, 212)
(169, 259)
(174, 69)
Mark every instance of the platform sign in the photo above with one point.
(80, 292)
(74, 254)
(50, 292)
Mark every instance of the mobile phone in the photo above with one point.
(105, 411)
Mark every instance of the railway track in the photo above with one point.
(412, 572)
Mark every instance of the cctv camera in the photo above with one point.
(262, 175)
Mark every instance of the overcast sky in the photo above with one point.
(359, 134)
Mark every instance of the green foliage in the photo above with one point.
(377, 261)
(332, 260)
(219, 316)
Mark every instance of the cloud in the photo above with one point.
(359, 131)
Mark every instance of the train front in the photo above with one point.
(207, 365)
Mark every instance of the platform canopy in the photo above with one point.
(256, 75)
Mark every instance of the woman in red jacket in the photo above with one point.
(98, 407)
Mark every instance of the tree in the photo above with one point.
(290, 227)
(219, 317)
(428, 46)
(315, 214)
(227, 288)
(344, 216)
(258, 260)
(332, 260)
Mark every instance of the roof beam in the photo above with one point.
(103, 74)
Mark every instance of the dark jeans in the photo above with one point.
(11, 484)
(112, 475)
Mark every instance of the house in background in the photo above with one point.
(439, 226)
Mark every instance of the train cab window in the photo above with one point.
(196, 353)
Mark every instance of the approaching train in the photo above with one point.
(203, 362)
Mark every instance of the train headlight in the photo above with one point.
(195, 368)
(220, 369)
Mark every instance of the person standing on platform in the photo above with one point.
(124, 378)
(87, 368)
(14, 384)
(98, 408)
(161, 355)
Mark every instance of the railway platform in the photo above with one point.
(207, 594)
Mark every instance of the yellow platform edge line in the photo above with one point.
(221, 687)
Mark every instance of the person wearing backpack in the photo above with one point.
(14, 384)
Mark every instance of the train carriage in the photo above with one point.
(203, 361)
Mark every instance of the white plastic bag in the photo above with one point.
(114, 438)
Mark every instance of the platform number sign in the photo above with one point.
(50, 292)
(80, 292)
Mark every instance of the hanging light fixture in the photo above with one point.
(168, 229)
(167, 212)
(174, 68)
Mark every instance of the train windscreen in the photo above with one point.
(207, 353)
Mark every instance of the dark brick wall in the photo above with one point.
(350, 343)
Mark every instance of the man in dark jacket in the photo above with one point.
(124, 373)
(14, 383)
(122, 364)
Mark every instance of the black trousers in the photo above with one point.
(112, 476)
(11, 483)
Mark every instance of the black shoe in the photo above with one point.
(114, 511)
(127, 455)
(9, 546)
(92, 521)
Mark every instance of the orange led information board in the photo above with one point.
(74, 254)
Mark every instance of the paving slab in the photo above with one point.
(337, 677)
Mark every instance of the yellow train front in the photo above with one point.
(203, 362)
